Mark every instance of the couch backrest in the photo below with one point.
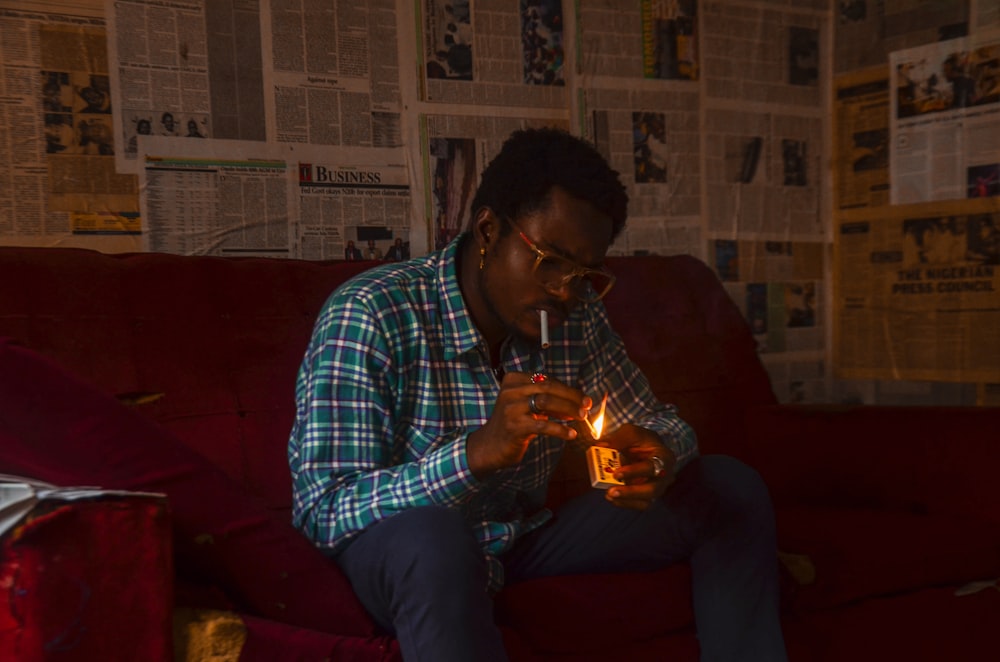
(221, 339)
(694, 345)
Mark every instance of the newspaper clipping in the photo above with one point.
(861, 144)
(267, 200)
(57, 110)
(945, 126)
(917, 293)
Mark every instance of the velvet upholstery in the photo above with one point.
(221, 535)
(61, 604)
(867, 499)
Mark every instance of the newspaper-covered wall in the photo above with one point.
(355, 130)
(916, 178)
(339, 130)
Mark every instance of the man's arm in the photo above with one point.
(630, 398)
(649, 432)
(347, 468)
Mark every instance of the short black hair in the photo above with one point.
(520, 178)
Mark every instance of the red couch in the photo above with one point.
(175, 374)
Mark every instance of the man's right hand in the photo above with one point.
(504, 439)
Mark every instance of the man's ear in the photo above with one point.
(485, 227)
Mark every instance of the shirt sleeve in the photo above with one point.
(345, 476)
(630, 398)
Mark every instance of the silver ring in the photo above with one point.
(532, 405)
(658, 466)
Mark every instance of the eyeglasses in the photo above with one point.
(554, 272)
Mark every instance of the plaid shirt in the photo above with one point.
(397, 376)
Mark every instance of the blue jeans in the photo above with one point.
(422, 576)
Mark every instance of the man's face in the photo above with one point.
(567, 227)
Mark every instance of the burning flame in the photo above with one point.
(597, 425)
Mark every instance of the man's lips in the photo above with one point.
(556, 317)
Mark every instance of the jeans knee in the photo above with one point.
(737, 488)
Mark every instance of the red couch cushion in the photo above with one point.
(62, 430)
(932, 625)
(860, 553)
(220, 338)
(938, 460)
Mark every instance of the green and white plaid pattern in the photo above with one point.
(396, 377)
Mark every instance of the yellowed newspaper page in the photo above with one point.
(917, 292)
(861, 139)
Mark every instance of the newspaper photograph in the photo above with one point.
(542, 42)
(59, 161)
(448, 40)
(454, 178)
(917, 292)
(945, 121)
(523, 64)
(861, 139)
(670, 39)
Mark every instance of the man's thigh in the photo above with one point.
(589, 534)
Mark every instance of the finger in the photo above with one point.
(551, 386)
(541, 425)
(623, 498)
(643, 471)
(562, 404)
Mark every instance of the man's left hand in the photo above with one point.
(639, 470)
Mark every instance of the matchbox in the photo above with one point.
(602, 464)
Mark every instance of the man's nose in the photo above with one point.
(565, 291)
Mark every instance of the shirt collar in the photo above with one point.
(460, 334)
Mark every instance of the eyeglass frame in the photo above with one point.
(578, 272)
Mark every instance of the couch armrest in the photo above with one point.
(88, 579)
(938, 460)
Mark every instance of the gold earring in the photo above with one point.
(482, 258)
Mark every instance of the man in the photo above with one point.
(398, 251)
(424, 439)
(193, 130)
(373, 252)
(352, 253)
(169, 127)
(963, 86)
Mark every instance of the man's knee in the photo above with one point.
(734, 488)
(731, 476)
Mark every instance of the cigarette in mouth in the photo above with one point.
(544, 315)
